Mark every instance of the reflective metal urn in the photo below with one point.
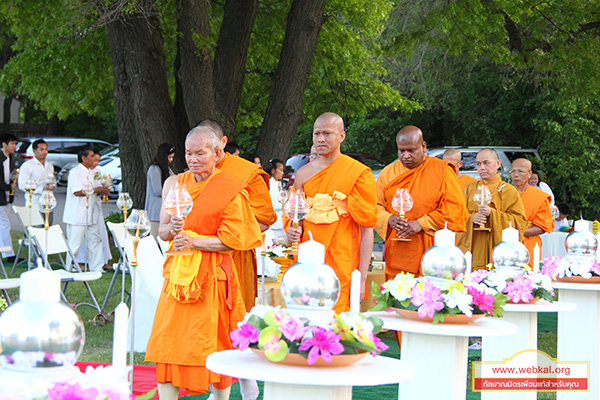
(443, 263)
(581, 243)
(40, 331)
(310, 286)
(510, 254)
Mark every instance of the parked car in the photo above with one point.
(110, 151)
(61, 150)
(296, 161)
(506, 154)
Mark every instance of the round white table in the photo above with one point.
(497, 348)
(440, 354)
(314, 383)
(579, 332)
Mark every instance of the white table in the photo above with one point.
(314, 383)
(440, 354)
(497, 348)
(553, 243)
(579, 332)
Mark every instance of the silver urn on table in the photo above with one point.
(443, 262)
(310, 286)
(40, 332)
(510, 255)
(581, 243)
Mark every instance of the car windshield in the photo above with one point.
(108, 149)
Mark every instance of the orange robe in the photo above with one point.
(507, 208)
(342, 237)
(260, 201)
(190, 326)
(464, 180)
(537, 211)
(437, 197)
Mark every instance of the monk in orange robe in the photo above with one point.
(455, 157)
(343, 208)
(437, 199)
(537, 206)
(504, 210)
(260, 201)
(201, 300)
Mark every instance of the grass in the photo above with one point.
(98, 344)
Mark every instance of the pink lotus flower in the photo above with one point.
(479, 275)
(379, 345)
(71, 392)
(427, 299)
(485, 302)
(519, 289)
(243, 336)
(324, 342)
(292, 328)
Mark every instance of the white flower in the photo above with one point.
(461, 299)
(400, 286)
(259, 310)
(313, 302)
(581, 266)
(482, 287)
(541, 280)
(321, 319)
(356, 322)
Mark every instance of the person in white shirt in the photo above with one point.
(561, 221)
(7, 163)
(77, 216)
(543, 186)
(39, 170)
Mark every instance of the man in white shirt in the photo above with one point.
(38, 170)
(9, 145)
(77, 216)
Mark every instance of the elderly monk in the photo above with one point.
(260, 201)
(343, 207)
(455, 157)
(536, 203)
(437, 197)
(201, 301)
(506, 208)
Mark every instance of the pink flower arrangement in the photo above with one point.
(292, 328)
(519, 289)
(62, 391)
(485, 302)
(427, 299)
(244, 335)
(324, 342)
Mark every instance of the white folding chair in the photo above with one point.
(117, 231)
(6, 284)
(53, 241)
(27, 217)
(148, 281)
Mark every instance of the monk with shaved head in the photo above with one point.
(437, 200)
(454, 156)
(341, 194)
(536, 203)
(504, 210)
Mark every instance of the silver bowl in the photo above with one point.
(444, 262)
(40, 335)
(510, 255)
(581, 243)
(310, 286)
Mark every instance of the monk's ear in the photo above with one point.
(218, 152)
(343, 136)
(223, 142)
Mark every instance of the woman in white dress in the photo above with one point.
(156, 176)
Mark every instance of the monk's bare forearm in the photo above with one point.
(366, 250)
(533, 231)
(209, 244)
(263, 227)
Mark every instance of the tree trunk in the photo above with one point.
(52, 129)
(230, 59)
(6, 113)
(284, 109)
(142, 102)
(196, 68)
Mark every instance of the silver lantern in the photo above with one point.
(511, 254)
(581, 243)
(310, 286)
(443, 263)
(40, 332)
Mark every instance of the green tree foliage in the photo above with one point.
(502, 72)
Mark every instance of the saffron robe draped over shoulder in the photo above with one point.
(260, 201)
(507, 208)
(186, 330)
(355, 185)
(464, 180)
(538, 213)
(437, 198)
